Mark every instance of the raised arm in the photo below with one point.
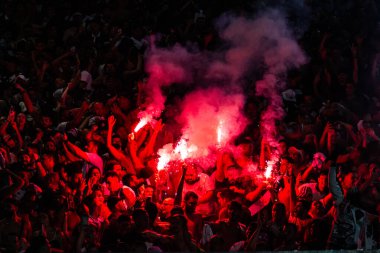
(74, 149)
(149, 148)
(69, 154)
(334, 186)
(254, 195)
(115, 109)
(326, 139)
(18, 134)
(10, 118)
(293, 195)
(301, 178)
(70, 86)
(224, 160)
(18, 183)
(119, 155)
(41, 169)
(132, 146)
(178, 196)
(264, 153)
(27, 100)
(58, 60)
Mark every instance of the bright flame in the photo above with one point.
(181, 148)
(182, 151)
(268, 169)
(141, 124)
(219, 132)
(164, 159)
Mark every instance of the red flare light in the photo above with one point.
(164, 159)
(219, 132)
(268, 170)
(141, 124)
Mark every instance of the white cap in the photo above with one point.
(289, 95)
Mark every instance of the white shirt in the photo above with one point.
(203, 185)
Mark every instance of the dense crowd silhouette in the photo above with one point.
(76, 177)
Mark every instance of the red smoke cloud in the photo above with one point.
(164, 68)
(206, 110)
(261, 43)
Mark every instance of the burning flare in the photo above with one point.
(142, 123)
(165, 157)
(219, 132)
(268, 170)
(181, 149)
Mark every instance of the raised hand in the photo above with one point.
(11, 115)
(131, 137)
(111, 122)
(82, 185)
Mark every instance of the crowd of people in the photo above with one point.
(75, 177)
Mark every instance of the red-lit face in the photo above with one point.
(167, 206)
(113, 184)
(191, 175)
(322, 182)
(232, 174)
(46, 122)
(50, 146)
(98, 198)
(21, 119)
(99, 109)
(9, 141)
(95, 174)
(92, 147)
(26, 159)
(148, 192)
(116, 142)
(118, 169)
(349, 181)
(191, 205)
(48, 162)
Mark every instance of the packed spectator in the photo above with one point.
(76, 178)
